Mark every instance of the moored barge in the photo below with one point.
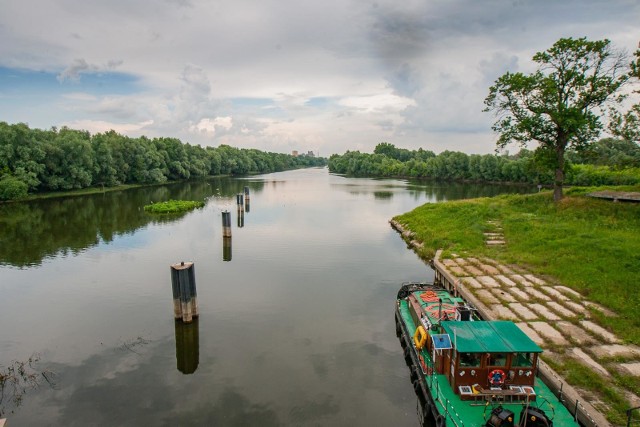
(470, 372)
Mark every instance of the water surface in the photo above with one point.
(296, 318)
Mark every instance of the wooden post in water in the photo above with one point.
(226, 224)
(240, 200)
(187, 346)
(246, 193)
(185, 297)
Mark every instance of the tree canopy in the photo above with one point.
(563, 104)
(66, 159)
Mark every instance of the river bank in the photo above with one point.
(507, 251)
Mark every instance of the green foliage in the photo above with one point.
(559, 105)
(66, 159)
(173, 206)
(525, 167)
(12, 188)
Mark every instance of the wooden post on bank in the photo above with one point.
(185, 297)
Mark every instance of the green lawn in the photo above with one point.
(591, 245)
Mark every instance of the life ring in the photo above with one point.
(496, 377)
(420, 337)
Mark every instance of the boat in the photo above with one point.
(468, 371)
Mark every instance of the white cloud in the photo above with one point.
(275, 74)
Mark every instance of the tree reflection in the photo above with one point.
(33, 231)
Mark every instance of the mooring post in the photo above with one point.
(226, 224)
(185, 297)
(240, 200)
(246, 193)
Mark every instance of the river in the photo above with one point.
(296, 321)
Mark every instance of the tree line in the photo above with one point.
(607, 162)
(35, 160)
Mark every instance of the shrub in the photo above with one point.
(12, 188)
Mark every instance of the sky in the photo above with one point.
(283, 75)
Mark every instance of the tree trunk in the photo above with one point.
(559, 181)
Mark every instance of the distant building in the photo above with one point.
(294, 153)
(310, 154)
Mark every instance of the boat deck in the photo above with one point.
(472, 413)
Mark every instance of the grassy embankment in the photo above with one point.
(173, 206)
(591, 245)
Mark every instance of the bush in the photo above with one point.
(12, 188)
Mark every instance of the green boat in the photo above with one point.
(468, 372)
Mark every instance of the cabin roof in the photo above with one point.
(497, 336)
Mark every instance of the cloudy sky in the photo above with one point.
(282, 75)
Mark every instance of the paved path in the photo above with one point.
(556, 317)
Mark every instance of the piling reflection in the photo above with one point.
(240, 217)
(187, 346)
(226, 249)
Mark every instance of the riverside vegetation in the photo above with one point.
(588, 244)
(39, 161)
(173, 206)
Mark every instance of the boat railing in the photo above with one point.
(569, 400)
(449, 409)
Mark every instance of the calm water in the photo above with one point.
(296, 329)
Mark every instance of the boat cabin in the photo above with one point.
(485, 357)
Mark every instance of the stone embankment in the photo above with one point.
(557, 318)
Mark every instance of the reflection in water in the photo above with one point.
(247, 205)
(226, 248)
(33, 231)
(187, 346)
(240, 217)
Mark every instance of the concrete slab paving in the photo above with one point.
(449, 262)
(547, 331)
(600, 308)
(520, 294)
(535, 280)
(615, 350)
(505, 280)
(577, 308)
(576, 333)
(587, 360)
(495, 242)
(556, 294)
(460, 261)
(535, 337)
(523, 311)
(544, 312)
(471, 282)
(473, 270)
(600, 331)
(488, 281)
(457, 271)
(560, 309)
(569, 292)
(486, 296)
(537, 294)
(502, 312)
(473, 260)
(504, 269)
(518, 279)
(633, 368)
(489, 269)
(502, 295)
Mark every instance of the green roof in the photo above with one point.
(499, 336)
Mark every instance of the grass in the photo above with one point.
(173, 206)
(590, 245)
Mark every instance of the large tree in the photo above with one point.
(562, 104)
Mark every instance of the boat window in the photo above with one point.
(522, 360)
(471, 360)
(497, 359)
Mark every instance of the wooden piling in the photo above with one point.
(240, 200)
(246, 193)
(185, 297)
(240, 217)
(226, 224)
